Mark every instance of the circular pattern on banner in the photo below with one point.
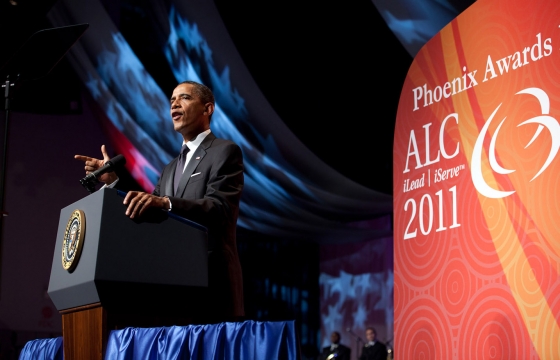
(425, 332)
(539, 273)
(547, 326)
(477, 245)
(546, 211)
(548, 74)
(73, 241)
(490, 328)
(422, 258)
(497, 219)
(400, 297)
(495, 39)
(456, 285)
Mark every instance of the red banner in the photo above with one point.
(477, 188)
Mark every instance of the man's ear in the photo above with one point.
(209, 108)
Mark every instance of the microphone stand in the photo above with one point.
(9, 84)
(358, 340)
(7, 96)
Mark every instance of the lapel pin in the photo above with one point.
(197, 158)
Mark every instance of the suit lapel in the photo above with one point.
(167, 179)
(196, 158)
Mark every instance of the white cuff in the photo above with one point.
(170, 205)
(111, 185)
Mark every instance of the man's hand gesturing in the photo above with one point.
(92, 164)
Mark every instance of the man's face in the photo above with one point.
(190, 116)
(370, 335)
(335, 338)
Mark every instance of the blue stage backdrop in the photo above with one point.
(289, 191)
(414, 22)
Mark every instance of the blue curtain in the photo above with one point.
(244, 340)
(225, 341)
(42, 349)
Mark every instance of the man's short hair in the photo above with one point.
(202, 91)
(372, 329)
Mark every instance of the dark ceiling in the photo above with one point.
(332, 71)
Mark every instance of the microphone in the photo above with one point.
(91, 179)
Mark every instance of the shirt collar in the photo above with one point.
(198, 140)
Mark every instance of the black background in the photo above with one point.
(333, 73)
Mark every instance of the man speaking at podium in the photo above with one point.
(203, 184)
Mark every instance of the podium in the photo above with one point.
(110, 272)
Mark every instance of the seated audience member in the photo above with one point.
(335, 350)
(373, 348)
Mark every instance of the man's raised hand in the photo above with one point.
(92, 164)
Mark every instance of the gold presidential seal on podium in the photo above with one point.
(73, 240)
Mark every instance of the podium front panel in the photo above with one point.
(77, 288)
(122, 257)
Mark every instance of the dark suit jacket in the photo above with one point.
(376, 352)
(209, 194)
(342, 352)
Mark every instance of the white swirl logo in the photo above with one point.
(543, 120)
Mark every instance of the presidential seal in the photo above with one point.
(73, 240)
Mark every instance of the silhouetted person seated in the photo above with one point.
(373, 348)
(335, 350)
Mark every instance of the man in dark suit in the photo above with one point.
(373, 349)
(335, 350)
(206, 188)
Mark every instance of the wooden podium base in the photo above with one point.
(86, 329)
(84, 332)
